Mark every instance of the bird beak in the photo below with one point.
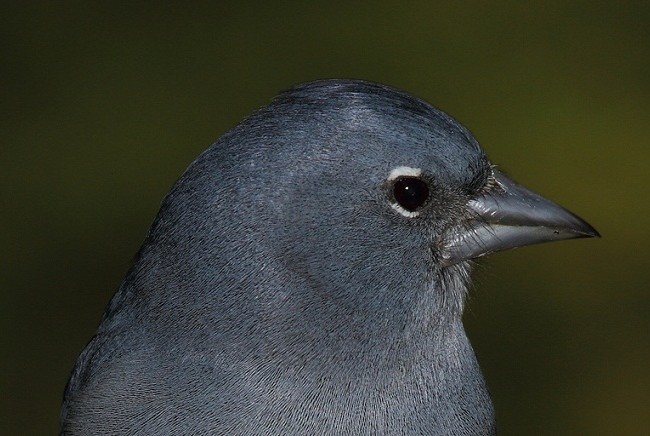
(507, 216)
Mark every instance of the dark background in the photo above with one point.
(104, 104)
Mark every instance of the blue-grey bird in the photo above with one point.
(307, 275)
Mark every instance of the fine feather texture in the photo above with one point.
(278, 292)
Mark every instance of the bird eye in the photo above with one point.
(411, 193)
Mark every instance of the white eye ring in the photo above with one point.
(404, 171)
(403, 211)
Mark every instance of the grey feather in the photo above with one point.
(278, 292)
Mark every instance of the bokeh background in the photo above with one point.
(104, 104)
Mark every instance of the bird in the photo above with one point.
(307, 274)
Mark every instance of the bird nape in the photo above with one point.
(307, 275)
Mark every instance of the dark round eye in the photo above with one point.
(410, 192)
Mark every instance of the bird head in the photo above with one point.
(351, 201)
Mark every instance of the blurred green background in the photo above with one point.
(104, 104)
